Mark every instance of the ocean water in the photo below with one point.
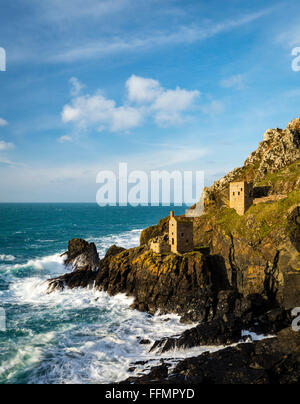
(78, 336)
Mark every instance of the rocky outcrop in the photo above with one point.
(154, 231)
(279, 149)
(258, 253)
(81, 254)
(270, 361)
(243, 275)
(234, 313)
(82, 257)
(216, 332)
(187, 285)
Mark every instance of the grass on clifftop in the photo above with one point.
(260, 220)
(288, 174)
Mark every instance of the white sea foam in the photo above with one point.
(128, 239)
(97, 346)
(51, 264)
(81, 335)
(7, 258)
(89, 336)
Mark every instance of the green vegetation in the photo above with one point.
(288, 174)
(154, 231)
(260, 220)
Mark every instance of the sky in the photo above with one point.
(160, 85)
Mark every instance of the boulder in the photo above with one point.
(82, 254)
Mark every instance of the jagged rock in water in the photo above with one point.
(82, 254)
(83, 258)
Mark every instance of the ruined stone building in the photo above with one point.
(160, 244)
(241, 196)
(181, 237)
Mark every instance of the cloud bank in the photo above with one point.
(145, 99)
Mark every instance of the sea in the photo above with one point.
(75, 336)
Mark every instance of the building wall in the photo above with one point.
(160, 246)
(181, 236)
(185, 237)
(173, 234)
(241, 196)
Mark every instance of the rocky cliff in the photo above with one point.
(243, 274)
(259, 252)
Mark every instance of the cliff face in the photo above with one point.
(187, 285)
(254, 254)
(243, 275)
(279, 149)
(260, 251)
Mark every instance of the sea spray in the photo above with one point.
(74, 336)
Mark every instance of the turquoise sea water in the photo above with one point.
(80, 336)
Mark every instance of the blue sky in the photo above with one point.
(172, 84)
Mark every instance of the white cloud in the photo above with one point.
(77, 87)
(4, 146)
(182, 34)
(142, 90)
(96, 110)
(125, 118)
(165, 107)
(170, 104)
(3, 122)
(236, 81)
(65, 139)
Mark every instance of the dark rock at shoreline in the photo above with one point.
(144, 342)
(216, 332)
(270, 361)
(172, 284)
(82, 278)
(187, 285)
(82, 254)
(83, 258)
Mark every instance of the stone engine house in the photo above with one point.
(241, 196)
(181, 237)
